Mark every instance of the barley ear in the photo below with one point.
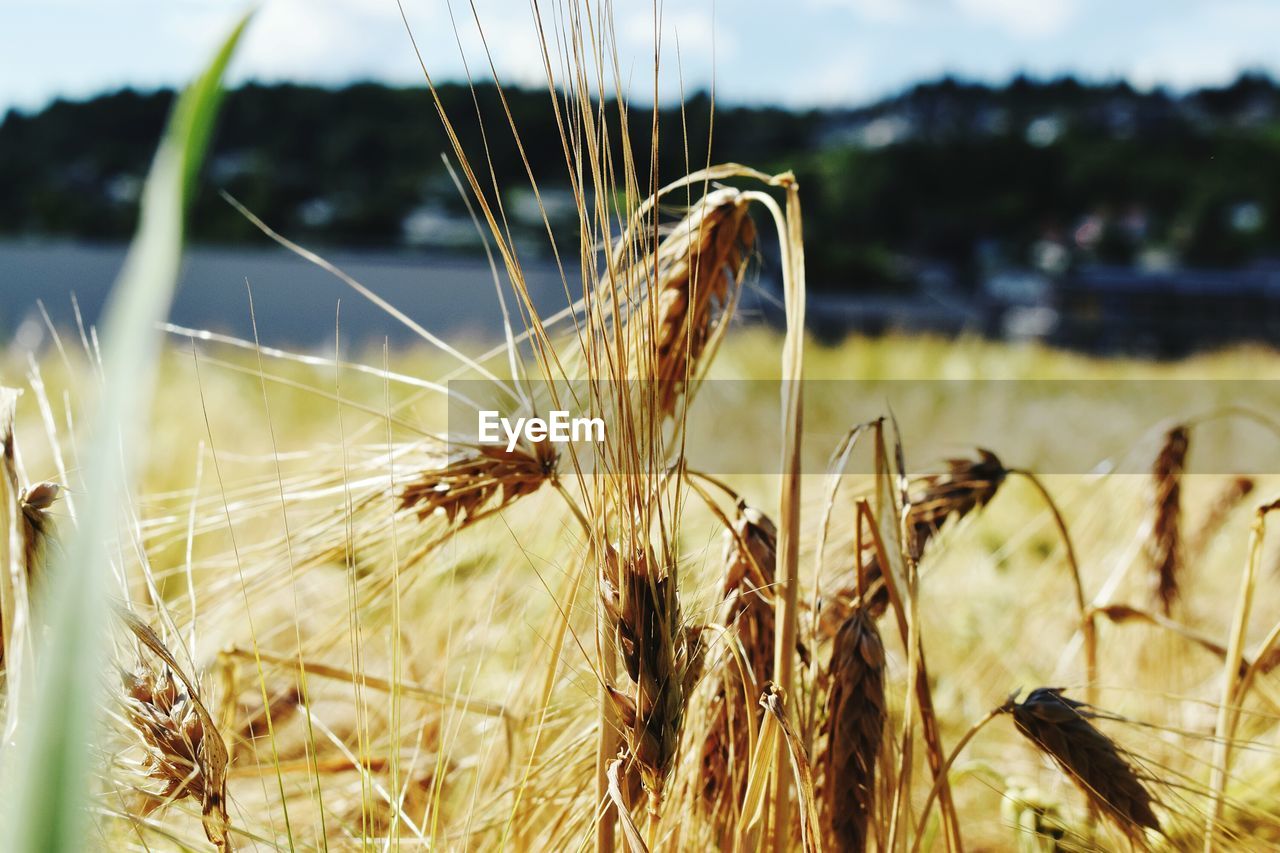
(1060, 728)
(694, 275)
(184, 748)
(967, 485)
(854, 728)
(1164, 546)
(646, 615)
(750, 560)
(476, 482)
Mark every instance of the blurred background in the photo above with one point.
(1099, 176)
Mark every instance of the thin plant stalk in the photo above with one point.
(891, 524)
(1229, 709)
(923, 694)
(793, 285)
(1088, 616)
(941, 782)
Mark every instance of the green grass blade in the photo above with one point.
(47, 784)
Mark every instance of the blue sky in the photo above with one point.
(797, 52)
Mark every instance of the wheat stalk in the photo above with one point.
(1233, 680)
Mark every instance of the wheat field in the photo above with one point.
(451, 669)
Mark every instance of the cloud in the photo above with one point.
(1207, 48)
(1024, 19)
(694, 44)
(841, 80)
(328, 40)
(879, 11)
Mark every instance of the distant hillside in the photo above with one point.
(947, 178)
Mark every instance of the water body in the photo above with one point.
(295, 302)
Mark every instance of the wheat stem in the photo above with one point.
(793, 286)
(1229, 709)
(1088, 621)
(941, 781)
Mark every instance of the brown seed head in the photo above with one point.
(965, 486)
(854, 727)
(643, 606)
(185, 751)
(1164, 547)
(1059, 728)
(475, 483)
(181, 752)
(694, 270)
(37, 522)
(750, 559)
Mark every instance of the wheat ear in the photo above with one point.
(1060, 728)
(639, 597)
(1164, 546)
(477, 482)
(856, 715)
(750, 558)
(184, 749)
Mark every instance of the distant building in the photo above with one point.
(1168, 312)
(1156, 310)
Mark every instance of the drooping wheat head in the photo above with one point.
(693, 277)
(184, 750)
(477, 482)
(1060, 728)
(965, 486)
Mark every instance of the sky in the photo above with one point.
(791, 52)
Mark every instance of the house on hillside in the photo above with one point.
(1160, 312)
(1166, 312)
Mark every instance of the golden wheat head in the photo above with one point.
(475, 483)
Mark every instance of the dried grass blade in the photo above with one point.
(1229, 709)
(635, 841)
(801, 771)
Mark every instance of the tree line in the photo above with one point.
(948, 173)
